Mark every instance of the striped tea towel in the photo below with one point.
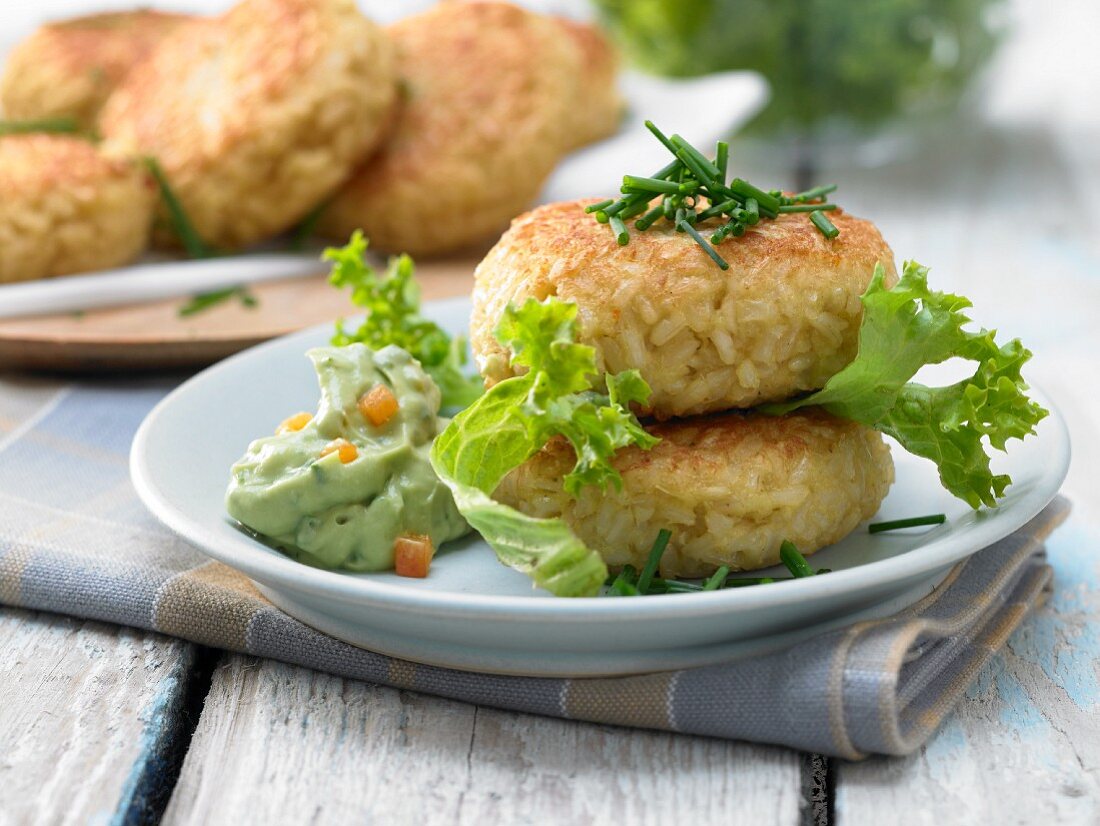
(74, 539)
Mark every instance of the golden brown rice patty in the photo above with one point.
(598, 107)
(69, 67)
(483, 122)
(731, 488)
(258, 115)
(782, 320)
(65, 208)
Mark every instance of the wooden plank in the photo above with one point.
(89, 721)
(280, 744)
(1024, 747)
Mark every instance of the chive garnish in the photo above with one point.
(597, 207)
(912, 522)
(814, 194)
(647, 220)
(622, 235)
(633, 183)
(204, 301)
(181, 224)
(742, 582)
(693, 189)
(54, 126)
(716, 579)
(702, 242)
(796, 563)
(785, 208)
(824, 224)
(650, 569)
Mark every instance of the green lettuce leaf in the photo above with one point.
(392, 305)
(515, 418)
(903, 329)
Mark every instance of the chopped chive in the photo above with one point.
(602, 217)
(693, 165)
(716, 580)
(752, 212)
(795, 561)
(679, 219)
(784, 208)
(912, 522)
(192, 242)
(647, 220)
(767, 202)
(709, 170)
(659, 135)
(626, 203)
(56, 126)
(702, 242)
(622, 235)
(655, 554)
(668, 170)
(688, 188)
(813, 194)
(204, 301)
(828, 229)
(719, 209)
(672, 586)
(634, 183)
(634, 211)
(622, 588)
(721, 159)
(597, 207)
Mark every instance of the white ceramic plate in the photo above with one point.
(473, 613)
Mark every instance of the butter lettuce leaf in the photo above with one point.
(905, 328)
(515, 418)
(392, 304)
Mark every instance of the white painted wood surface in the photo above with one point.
(278, 744)
(84, 712)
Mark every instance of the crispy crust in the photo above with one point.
(485, 117)
(780, 321)
(65, 207)
(258, 115)
(69, 67)
(731, 488)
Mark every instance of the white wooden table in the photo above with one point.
(100, 724)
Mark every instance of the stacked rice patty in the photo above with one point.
(729, 483)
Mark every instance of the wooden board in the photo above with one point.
(154, 336)
(278, 744)
(90, 718)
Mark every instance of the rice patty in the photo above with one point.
(69, 67)
(65, 207)
(782, 320)
(258, 115)
(731, 488)
(484, 119)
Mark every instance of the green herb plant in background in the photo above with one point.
(825, 59)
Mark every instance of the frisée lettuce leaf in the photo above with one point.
(515, 418)
(392, 304)
(903, 329)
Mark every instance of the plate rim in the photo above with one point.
(286, 572)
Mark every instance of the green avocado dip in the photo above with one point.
(333, 512)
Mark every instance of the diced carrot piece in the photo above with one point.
(293, 424)
(348, 452)
(378, 405)
(412, 555)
